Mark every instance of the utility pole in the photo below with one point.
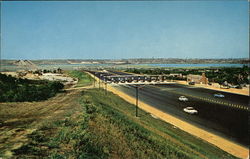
(136, 113)
(99, 82)
(105, 88)
(137, 100)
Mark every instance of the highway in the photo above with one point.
(214, 114)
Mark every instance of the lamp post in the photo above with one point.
(137, 96)
(94, 78)
(100, 81)
(136, 109)
(105, 83)
(106, 88)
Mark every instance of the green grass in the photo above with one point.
(143, 137)
(107, 128)
(83, 78)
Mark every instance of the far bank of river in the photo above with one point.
(70, 66)
(198, 65)
(75, 66)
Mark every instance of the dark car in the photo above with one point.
(191, 83)
(238, 87)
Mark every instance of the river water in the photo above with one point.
(75, 66)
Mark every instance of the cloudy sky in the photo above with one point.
(124, 29)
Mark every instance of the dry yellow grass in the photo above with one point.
(22, 118)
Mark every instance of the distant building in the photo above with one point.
(175, 74)
(199, 79)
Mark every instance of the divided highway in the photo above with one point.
(214, 114)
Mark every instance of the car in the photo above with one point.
(191, 83)
(183, 98)
(238, 87)
(190, 110)
(219, 95)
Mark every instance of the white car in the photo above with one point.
(190, 110)
(219, 95)
(183, 98)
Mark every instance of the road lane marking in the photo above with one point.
(207, 99)
(226, 145)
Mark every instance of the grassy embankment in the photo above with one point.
(83, 78)
(107, 128)
(90, 124)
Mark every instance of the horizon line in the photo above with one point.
(234, 58)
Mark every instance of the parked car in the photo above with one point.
(219, 95)
(183, 98)
(190, 110)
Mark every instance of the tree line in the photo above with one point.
(19, 90)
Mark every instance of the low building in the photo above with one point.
(175, 74)
(198, 79)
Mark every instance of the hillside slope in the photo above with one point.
(90, 124)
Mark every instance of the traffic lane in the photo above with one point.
(235, 98)
(207, 93)
(165, 101)
(228, 96)
(225, 121)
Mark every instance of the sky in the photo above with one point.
(124, 29)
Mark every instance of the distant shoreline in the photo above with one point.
(4, 68)
(134, 61)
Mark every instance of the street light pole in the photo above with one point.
(136, 114)
(99, 82)
(137, 98)
(105, 88)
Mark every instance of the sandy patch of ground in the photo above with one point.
(14, 74)
(46, 76)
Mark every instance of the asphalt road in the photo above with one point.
(214, 114)
(225, 121)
